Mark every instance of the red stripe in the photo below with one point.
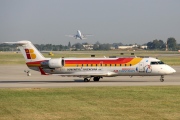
(117, 61)
(35, 62)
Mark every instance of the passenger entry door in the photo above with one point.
(141, 67)
(100, 66)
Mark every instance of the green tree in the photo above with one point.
(150, 45)
(156, 44)
(171, 42)
(162, 45)
(78, 46)
(69, 45)
(96, 47)
(104, 47)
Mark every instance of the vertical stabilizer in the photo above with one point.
(29, 51)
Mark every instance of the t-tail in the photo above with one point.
(32, 56)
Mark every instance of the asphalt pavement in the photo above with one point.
(13, 76)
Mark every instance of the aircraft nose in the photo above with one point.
(171, 70)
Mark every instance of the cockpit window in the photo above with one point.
(160, 62)
(156, 62)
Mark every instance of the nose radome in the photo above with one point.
(173, 70)
(170, 70)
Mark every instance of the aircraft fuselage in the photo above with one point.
(108, 67)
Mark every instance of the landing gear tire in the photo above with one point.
(86, 80)
(162, 78)
(28, 74)
(96, 78)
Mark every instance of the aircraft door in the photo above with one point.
(100, 65)
(62, 62)
(141, 67)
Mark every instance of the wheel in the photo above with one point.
(162, 80)
(96, 78)
(86, 80)
(28, 74)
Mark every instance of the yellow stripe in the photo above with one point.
(135, 61)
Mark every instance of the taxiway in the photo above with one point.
(13, 76)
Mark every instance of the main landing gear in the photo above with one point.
(95, 79)
(162, 78)
(86, 79)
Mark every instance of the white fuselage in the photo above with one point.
(144, 68)
(79, 35)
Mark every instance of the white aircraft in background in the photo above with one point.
(79, 35)
(95, 68)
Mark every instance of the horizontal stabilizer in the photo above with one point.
(18, 42)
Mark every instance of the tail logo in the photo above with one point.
(30, 54)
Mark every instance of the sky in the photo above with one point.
(110, 21)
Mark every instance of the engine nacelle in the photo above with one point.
(53, 63)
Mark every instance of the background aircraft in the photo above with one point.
(79, 35)
(95, 68)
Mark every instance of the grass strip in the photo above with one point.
(100, 103)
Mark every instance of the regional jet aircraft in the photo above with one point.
(95, 68)
(79, 35)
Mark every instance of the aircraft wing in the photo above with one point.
(90, 73)
(70, 35)
(84, 38)
(87, 34)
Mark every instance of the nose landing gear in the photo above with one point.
(162, 78)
